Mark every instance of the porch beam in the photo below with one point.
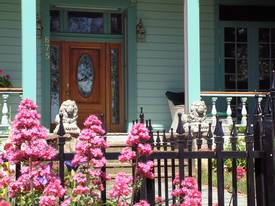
(28, 24)
(191, 52)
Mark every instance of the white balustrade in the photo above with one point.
(214, 111)
(5, 111)
(244, 111)
(229, 111)
(228, 98)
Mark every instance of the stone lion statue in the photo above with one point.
(69, 111)
(198, 111)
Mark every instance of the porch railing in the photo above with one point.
(227, 97)
(10, 98)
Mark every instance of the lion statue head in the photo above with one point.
(69, 111)
(198, 111)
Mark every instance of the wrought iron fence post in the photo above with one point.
(219, 141)
(250, 165)
(150, 183)
(141, 116)
(180, 131)
(103, 169)
(61, 143)
(258, 146)
(268, 153)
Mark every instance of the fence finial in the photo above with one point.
(141, 115)
(61, 130)
(218, 129)
(180, 129)
(258, 109)
(268, 106)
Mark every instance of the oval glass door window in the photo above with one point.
(85, 75)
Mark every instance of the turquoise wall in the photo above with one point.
(160, 57)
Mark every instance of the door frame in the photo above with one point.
(64, 79)
(129, 8)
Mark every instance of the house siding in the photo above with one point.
(207, 42)
(160, 64)
(10, 48)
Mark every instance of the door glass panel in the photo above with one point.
(85, 22)
(235, 59)
(55, 21)
(266, 56)
(116, 24)
(115, 85)
(55, 79)
(85, 75)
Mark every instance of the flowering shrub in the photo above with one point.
(89, 160)
(125, 187)
(5, 79)
(28, 145)
(187, 190)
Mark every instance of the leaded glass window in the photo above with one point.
(55, 21)
(115, 85)
(55, 79)
(85, 22)
(116, 24)
(85, 75)
(266, 56)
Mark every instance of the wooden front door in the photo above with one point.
(83, 78)
(86, 78)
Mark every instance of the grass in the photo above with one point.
(241, 185)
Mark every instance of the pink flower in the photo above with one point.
(142, 203)
(54, 188)
(80, 178)
(81, 190)
(138, 133)
(66, 202)
(4, 203)
(126, 155)
(48, 201)
(121, 186)
(159, 200)
(144, 149)
(8, 76)
(240, 173)
(189, 183)
(1, 72)
(146, 169)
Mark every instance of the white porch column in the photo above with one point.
(28, 24)
(191, 52)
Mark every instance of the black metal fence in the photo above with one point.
(183, 153)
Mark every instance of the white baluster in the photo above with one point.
(5, 111)
(214, 111)
(229, 111)
(244, 111)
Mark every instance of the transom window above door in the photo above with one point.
(86, 22)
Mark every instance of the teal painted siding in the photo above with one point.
(207, 41)
(160, 57)
(10, 47)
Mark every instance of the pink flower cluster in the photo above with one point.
(187, 190)
(28, 139)
(121, 189)
(37, 177)
(138, 135)
(90, 159)
(240, 173)
(142, 203)
(51, 193)
(28, 144)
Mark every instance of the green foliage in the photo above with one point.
(228, 162)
